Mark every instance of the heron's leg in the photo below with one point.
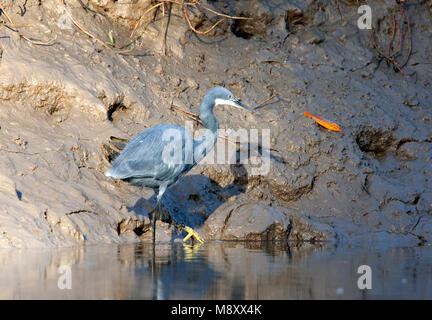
(155, 214)
(192, 233)
(154, 225)
(151, 213)
(157, 211)
(161, 215)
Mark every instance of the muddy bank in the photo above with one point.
(61, 102)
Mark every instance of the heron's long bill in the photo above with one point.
(243, 106)
(234, 103)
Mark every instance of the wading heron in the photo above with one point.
(157, 157)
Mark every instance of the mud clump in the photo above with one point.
(252, 221)
(246, 29)
(127, 14)
(293, 18)
(374, 141)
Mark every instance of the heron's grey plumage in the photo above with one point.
(143, 161)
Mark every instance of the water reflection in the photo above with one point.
(228, 270)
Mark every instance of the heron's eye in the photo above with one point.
(231, 97)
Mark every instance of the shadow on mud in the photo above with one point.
(194, 198)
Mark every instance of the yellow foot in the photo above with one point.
(192, 233)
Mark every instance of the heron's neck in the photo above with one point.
(207, 116)
(210, 122)
(206, 142)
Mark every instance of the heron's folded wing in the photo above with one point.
(148, 155)
(145, 169)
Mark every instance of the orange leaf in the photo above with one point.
(325, 123)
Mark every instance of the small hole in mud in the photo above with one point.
(113, 108)
(239, 31)
(138, 231)
(246, 29)
(194, 197)
(293, 19)
(374, 141)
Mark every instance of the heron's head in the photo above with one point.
(222, 96)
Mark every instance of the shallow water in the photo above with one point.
(224, 270)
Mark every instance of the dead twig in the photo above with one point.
(400, 30)
(36, 42)
(195, 30)
(192, 114)
(125, 50)
(6, 15)
(195, 3)
(195, 117)
(409, 37)
(11, 26)
(273, 95)
(221, 14)
(266, 100)
(140, 19)
(23, 10)
(79, 26)
(82, 28)
(392, 37)
(164, 29)
(389, 56)
(383, 55)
